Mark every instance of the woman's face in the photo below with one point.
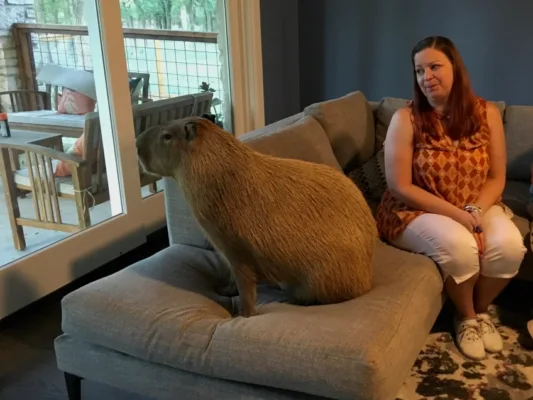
(434, 74)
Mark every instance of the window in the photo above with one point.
(96, 56)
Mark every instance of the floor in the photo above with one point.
(441, 372)
(27, 361)
(28, 370)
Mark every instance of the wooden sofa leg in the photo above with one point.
(73, 383)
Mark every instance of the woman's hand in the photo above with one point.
(480, 238)
(471, 221)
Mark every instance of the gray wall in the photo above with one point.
(279, 33)
(348, 45)
(320, 49)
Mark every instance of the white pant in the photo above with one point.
(455, 250)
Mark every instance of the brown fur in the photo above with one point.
(300, 225)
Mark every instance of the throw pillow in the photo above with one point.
(72, 102)
(370, 177)
(303, 140)
(349, 123)
(64, 169)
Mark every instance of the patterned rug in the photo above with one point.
(442, 373)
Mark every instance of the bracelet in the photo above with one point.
(472, 207)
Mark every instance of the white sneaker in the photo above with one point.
(468, 339)
(489, 334)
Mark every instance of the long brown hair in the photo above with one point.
(462, 118)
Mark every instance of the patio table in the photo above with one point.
(48, 121)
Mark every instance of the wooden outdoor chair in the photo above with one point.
(87, 186)
(46, 191)
(25, 100)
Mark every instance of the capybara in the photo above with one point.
(300, 225)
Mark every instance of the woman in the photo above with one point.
(445, 167)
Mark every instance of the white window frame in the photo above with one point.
(43, 272)
(246, 64)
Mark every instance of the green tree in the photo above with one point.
(193, 15)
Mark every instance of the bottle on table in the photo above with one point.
(4, 126)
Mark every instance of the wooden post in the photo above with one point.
(160, 67)
(26, 62)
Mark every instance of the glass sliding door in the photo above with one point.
(69, 168)
(79, 80)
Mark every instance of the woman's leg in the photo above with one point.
(462, 295)
(504, 252)
(455, 251)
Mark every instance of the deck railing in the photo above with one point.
(177, 61)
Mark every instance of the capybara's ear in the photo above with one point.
(210, 117)
(190, 130)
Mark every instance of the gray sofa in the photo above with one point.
(163, 327)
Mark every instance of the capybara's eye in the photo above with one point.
(167, 137)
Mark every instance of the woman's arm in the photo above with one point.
(398, 169)
(495, 183)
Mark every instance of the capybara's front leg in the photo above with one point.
(247, 287)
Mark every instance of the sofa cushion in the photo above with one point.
(170, 309)
(516, 197)
(518, 122)
(274, 126)
(385, 110)
(526, 269)
(304, 140)
(182, 226)
(349, 124)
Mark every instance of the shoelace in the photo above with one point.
(468, 332)
(486, 325)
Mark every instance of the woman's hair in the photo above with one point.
(462, 116)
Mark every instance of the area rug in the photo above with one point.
(442, 373)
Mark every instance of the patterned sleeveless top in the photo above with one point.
(452, 170)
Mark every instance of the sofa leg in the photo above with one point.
(73, 383)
